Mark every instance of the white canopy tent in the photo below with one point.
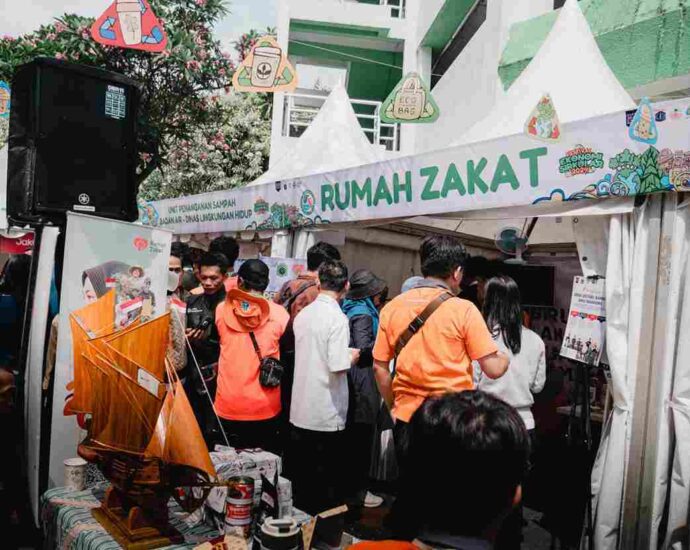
(444, 184)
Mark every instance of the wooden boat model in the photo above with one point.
(142, 433)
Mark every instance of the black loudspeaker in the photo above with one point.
(72, 142)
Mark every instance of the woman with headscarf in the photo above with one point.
(367, 296)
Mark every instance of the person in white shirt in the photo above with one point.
(526, 372)
(320, 395)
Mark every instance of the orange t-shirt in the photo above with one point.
(438, 359)
(240, 395)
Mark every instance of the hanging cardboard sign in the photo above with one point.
(543, 121)
(265, 69)
(130, 24)
(643, 126)
(586, 329)
(4, 99)
(410, 102)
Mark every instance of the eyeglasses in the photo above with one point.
(175, 269)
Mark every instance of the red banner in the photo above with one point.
(18, 245)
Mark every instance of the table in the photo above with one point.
(69, 525)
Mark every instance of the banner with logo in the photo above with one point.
(100, 255)
(592, 159)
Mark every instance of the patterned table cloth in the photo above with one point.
(69, 525)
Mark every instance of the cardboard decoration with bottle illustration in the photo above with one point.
(585, 332)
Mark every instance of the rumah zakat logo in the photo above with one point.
(140, 243)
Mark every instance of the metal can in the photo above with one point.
(238, 506)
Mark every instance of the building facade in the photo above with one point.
(468, 51)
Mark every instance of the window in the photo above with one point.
(322, 78)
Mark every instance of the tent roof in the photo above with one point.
(568, 66)
(334, 140)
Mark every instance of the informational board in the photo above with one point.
(516, 170)
(101, 254)
(282, 270)
(586, 330)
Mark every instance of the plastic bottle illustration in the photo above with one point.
(129, 14)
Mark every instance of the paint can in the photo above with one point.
(238, 506)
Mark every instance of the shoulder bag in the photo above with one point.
(270, 369)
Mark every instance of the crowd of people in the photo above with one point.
(317, 373)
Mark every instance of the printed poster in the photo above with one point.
(101, 255)
(282, 270)
(586, 330)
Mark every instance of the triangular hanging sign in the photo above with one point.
(543, 121)
(130, 24)
(265, 69)
(643, 126)
(4, 99)
(410, 102)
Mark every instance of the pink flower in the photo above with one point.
(227, 55)
(51, 36)
(201, 54)
(200, 3)
(9, 38)
(203, 156)
(60, 27)
(226, 147)
(60, 55)
(85, 35)
(193, 65)
(146, 157)
(221, 72)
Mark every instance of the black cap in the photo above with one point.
(364, 284)
(254, 273)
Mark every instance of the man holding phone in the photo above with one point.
(204, 343)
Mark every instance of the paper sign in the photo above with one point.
(265, 69)
(643, 126)
(543, 121)
(147, 381)
(4, 99)
(410, 102)
(586, 329)
(130, 24)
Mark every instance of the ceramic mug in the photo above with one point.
(75, 474)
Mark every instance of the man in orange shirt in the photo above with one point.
(438, 358)
(248, 410)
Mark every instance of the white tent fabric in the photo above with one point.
(568, 66)
(629, 250)
(672, 476)
(334, 140)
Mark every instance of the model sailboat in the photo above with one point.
(143, 433)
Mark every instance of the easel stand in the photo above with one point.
(580, 397)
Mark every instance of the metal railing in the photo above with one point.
(301, 109)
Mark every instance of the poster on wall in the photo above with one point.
(586, 330)
(265, 69)
(282, 270)
(101, 255)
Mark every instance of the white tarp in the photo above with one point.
(334, 140)
(570, 68)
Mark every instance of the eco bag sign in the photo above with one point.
(410, 101)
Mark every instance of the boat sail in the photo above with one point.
(143, 433)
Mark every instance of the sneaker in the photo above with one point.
(372, 501)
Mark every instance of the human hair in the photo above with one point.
(254, 275)
(226, 246)
(503, 311)
(319, 253)
(181, 251)
(479, 446)
(478, 267)
(333, 275)
(214, 259)
(15, 277)
(441, 255)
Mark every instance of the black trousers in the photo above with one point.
(360, 440)
(315, 462)
(252, 434)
